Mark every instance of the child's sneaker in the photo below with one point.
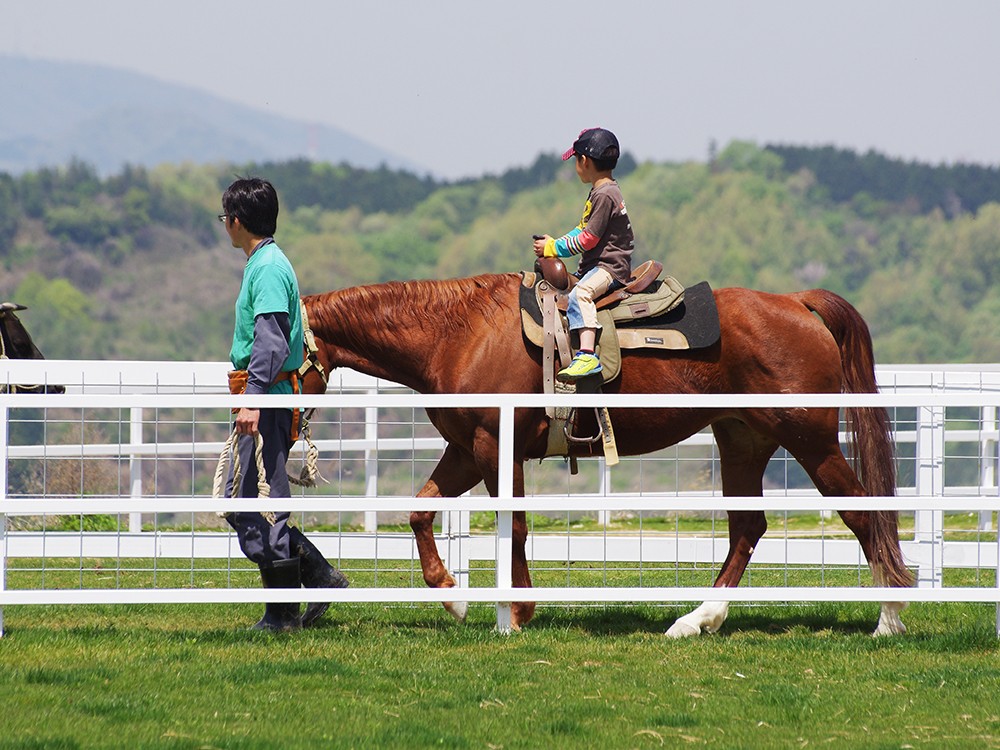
(583, 364)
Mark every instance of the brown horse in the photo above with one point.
(464, 336)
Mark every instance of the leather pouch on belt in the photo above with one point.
(238, 384)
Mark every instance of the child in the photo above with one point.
(604, 240)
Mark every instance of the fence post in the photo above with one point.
(991, 459)
(603, 488)
(928, 525)
(371, 463)
(456, 529)
(4, 413)
(135, 465)
(505, 518)
(987, 463)
(996, 580)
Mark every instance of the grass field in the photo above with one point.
(186, 676)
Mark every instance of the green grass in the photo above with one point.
(958, 525)
(192, 676)
(143, 573)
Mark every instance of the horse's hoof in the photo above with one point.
(681, 629)
(458, 610)
(889, 622)
(889, 628)
(521, 613)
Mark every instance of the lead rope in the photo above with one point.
(310, 471)
(229, 452)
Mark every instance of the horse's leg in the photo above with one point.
(520, 612)
(454, 474)
(833, 476)
(743, 454)
(861, 523)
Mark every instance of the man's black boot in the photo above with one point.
(281, 617)
(317, 573)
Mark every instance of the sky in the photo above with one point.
(463, 87)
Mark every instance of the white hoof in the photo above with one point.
(706, 618)
(458, 610)
(681, 629)
(889, 622)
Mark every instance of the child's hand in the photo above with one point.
(540, 240)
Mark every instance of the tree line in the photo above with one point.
(134, 266)
(846, 174)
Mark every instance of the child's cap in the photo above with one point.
(594, 142)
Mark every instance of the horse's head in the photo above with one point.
(16, 343)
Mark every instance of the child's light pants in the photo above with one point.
(580, 309)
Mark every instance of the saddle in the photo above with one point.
(646, 313)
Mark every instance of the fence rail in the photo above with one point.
(920, 397)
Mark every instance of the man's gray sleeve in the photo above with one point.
(271, 333)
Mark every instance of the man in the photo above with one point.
(267, 349)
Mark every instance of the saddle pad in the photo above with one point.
(693, 324)
(528, 300)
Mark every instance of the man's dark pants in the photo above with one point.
(262, 542)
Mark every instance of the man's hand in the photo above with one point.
(247, 421)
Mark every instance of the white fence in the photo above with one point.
(945, 424)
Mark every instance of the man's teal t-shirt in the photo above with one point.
(269, 286)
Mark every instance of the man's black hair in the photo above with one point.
(253, 201)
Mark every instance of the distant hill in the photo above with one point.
(53, 112)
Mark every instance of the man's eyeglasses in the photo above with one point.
(223, 217)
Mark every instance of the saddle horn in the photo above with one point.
(553, 271)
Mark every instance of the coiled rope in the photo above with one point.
(307, 476)
(230, 453)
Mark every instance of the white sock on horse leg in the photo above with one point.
(707, 618)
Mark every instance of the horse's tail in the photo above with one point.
(871, 447)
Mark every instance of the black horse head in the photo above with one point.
(16, 343)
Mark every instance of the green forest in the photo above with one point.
(134, 266)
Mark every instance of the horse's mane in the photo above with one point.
(437, 306)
